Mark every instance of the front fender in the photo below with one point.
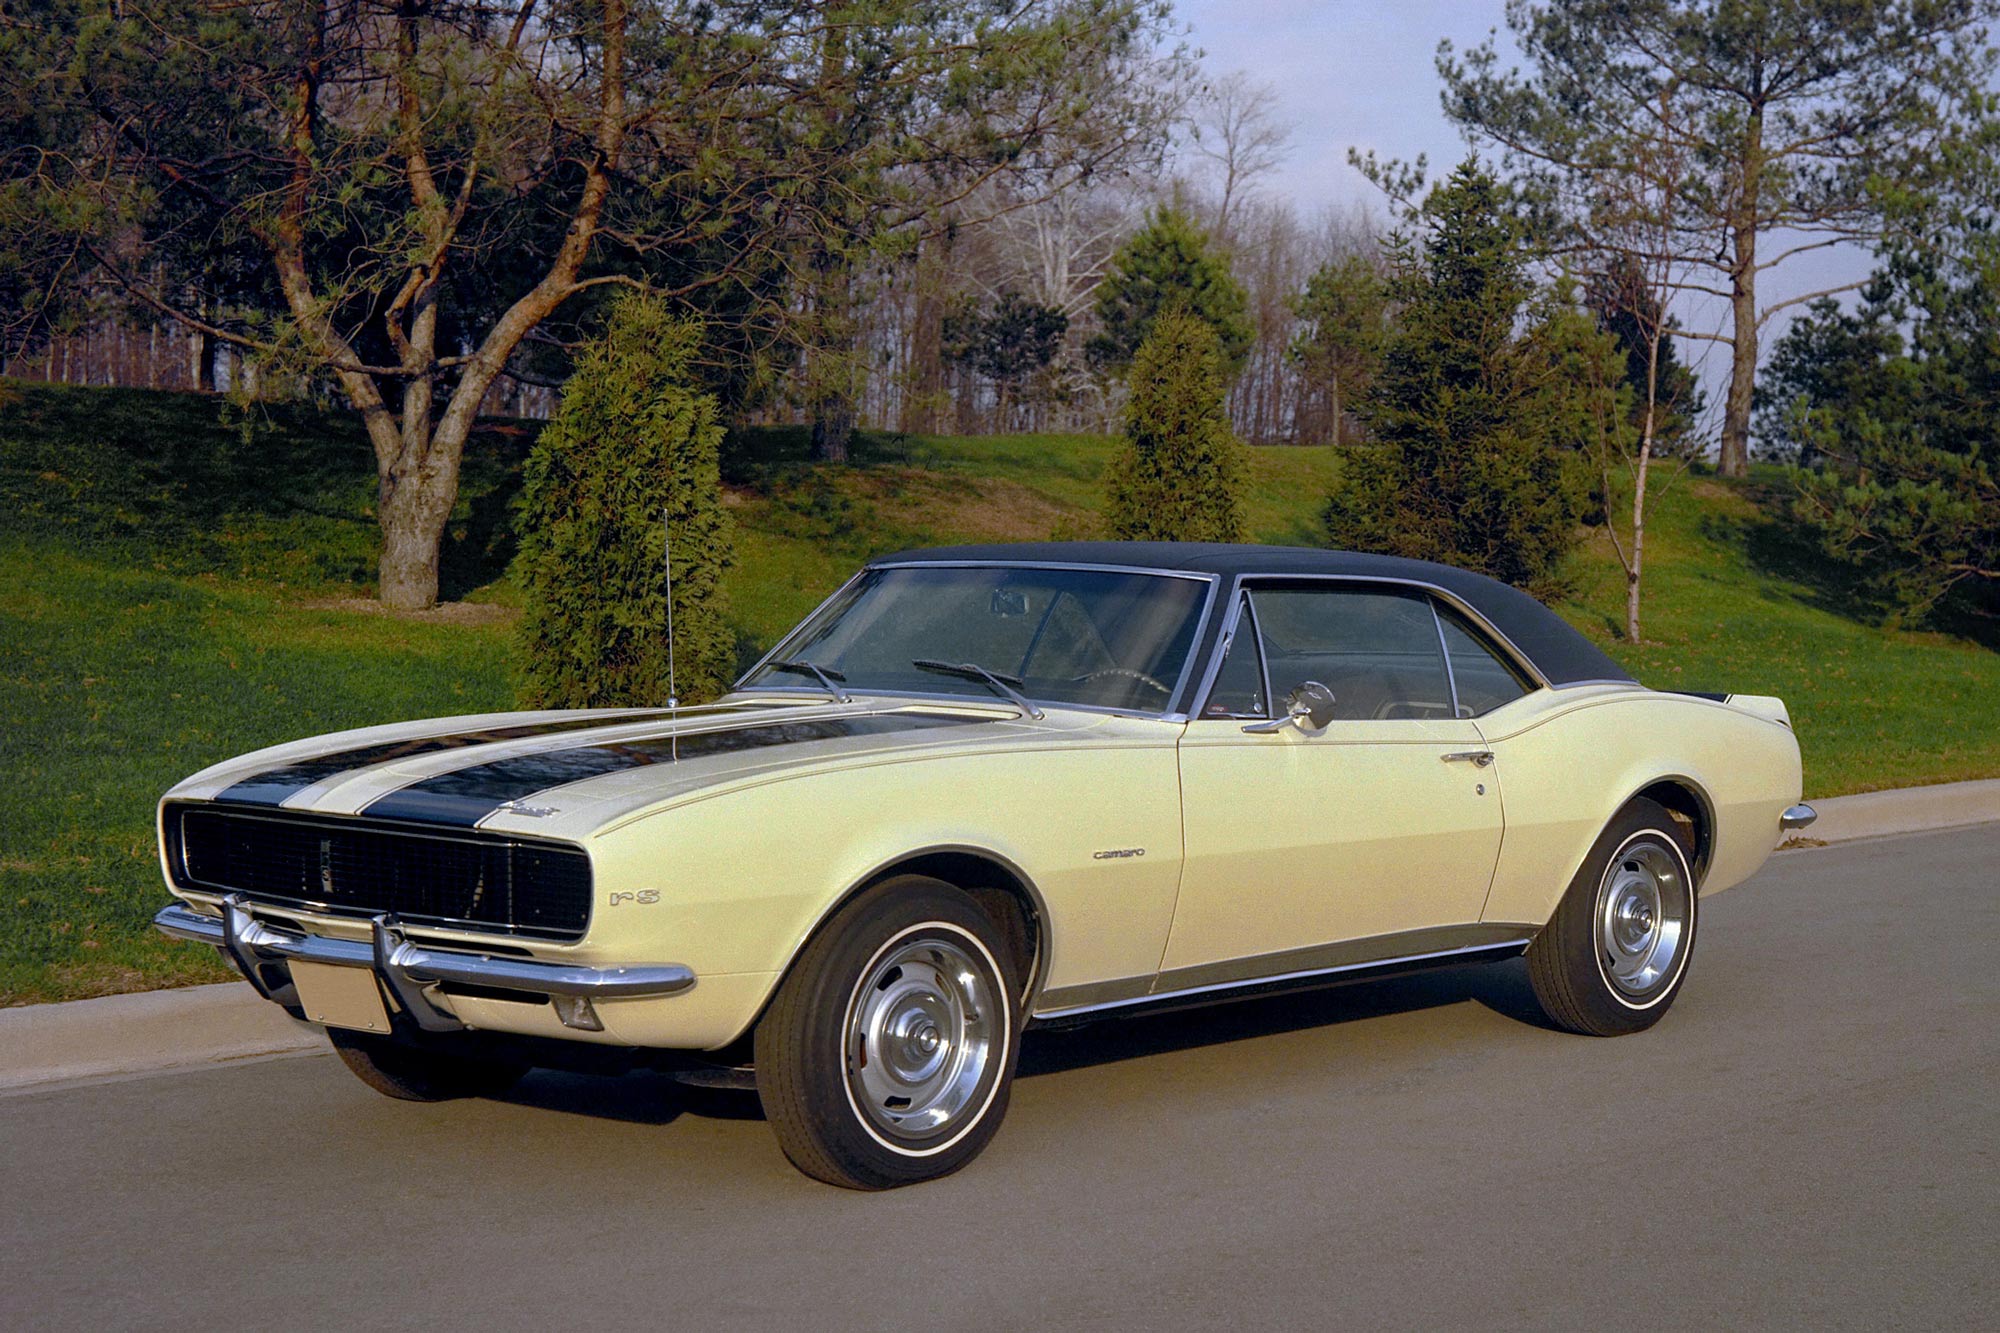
(734, 884)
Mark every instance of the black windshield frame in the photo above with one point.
(1196, 643)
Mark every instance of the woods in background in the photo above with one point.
(968, 218)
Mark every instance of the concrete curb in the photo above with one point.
(49, 1045)
(154, 1032)
(1902, 810)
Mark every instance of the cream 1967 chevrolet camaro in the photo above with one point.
(981, 790)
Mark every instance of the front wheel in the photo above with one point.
(887, 1054)
(1614, 956)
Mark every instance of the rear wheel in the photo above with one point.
(1614, 956)
(412, 1075)
(887, 1054)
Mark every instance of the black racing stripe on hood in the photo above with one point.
(276, 786)
(465, 797)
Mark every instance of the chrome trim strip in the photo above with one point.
(1797, 817)
(400, 962)
(1250, 986)
(1263, 661)
(1402, 949)
(1450, 673)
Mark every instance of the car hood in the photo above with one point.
(568, 773)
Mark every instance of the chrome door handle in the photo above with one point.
(1477, 758)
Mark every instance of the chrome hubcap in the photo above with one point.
(920, 1037)
(1644, 906)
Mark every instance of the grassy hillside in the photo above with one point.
(187, 581)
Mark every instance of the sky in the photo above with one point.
(1360, 74)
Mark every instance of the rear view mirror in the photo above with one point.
(1311, 705)
(1008, 602)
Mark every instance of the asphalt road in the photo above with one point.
(1808, 1140)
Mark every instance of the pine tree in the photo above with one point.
(1178, 476)
(634, 440)
(1343, 318)
(1468, 471)
(1627, 307)
(1164, 264)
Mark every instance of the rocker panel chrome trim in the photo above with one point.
(1356, 960)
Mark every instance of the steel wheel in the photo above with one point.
(1615, 953)
(920, 1036)
(886, 1055)
(1644, 904)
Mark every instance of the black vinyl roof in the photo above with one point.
(1557, 651)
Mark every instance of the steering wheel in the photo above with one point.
(1123, 673)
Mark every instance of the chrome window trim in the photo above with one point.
(1263, 660)
(1240, 610)
(1168, 714)
(1444, 651)
(1243, 582)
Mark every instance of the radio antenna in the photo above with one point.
(673, 687)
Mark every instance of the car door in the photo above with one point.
(1385, 823)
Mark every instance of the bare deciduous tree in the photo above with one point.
(1236, 130)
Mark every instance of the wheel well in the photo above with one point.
(1689, 807)
(1000, 889)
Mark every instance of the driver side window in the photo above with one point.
(1377, 649)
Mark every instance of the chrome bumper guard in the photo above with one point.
(405, 969)
(1797, 817)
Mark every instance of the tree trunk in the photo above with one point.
(1735, 457)
(414, 505)
(204, 362)
(832, 429)
(1632, 570)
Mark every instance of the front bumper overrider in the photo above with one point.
(407, 969)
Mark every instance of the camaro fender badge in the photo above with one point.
(640, 897)
(1118, 854)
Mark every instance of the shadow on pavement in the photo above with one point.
(655, 1099)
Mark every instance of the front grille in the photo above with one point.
(477, 882)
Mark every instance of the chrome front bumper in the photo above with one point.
(1797, 817)
(406, 969)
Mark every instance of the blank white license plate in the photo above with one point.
(341, 997)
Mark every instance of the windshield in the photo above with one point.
(1067, 636)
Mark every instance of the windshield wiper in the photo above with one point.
(1007, 685)
(825, 675)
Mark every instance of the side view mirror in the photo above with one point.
(1309, 707)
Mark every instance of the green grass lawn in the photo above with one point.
(187, 581)
(1731, 600)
